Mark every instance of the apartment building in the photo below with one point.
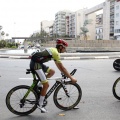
(112, 4)
(99, 27)
(51, 30)
(68, 23)
(91, 27)
(117, 19)
(104, 26)
(60, 23)
(105, 30)
(114, 16)
(72, 25)
(76, 20)
(45, 25)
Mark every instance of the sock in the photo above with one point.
(41, 100)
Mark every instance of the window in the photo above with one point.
(117, 22)
(117, 7)
(117, 30)
(117, 14)
(101, 30)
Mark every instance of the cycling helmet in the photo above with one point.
(62, 42)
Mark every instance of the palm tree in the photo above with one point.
(7, 34)
(0, 31)
(84, 28)
(1, 27)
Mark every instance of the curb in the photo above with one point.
(65, 58)
(90, 57)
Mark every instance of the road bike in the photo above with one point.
(116, 89)
(116, 64)
(23, 99)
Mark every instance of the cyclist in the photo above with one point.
(37, 64)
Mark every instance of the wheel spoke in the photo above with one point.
(65, 102)
(14, 103)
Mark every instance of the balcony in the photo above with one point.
(111, 31)
(112, 3)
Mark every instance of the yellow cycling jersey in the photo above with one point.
(55, 54)
(46, 55)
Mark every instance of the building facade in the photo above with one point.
(76, 20)
(117, 19)
(104, 26)
(60, 23)
(99, 27)
(45, 25)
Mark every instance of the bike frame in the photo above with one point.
(57, 83)
(35, 82)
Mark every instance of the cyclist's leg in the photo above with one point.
(38, 67)
(40, 70)
(43, 81)
(50, 72)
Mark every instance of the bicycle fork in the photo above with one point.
(65, 89)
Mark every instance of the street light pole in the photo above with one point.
(14, 32)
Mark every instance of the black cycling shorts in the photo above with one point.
(36, 66)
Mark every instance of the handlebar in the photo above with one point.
(72, 73)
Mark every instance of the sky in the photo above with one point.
(21, 18)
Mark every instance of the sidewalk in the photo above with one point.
(71, 56)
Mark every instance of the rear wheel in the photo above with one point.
(64, 101)
(16, 104)
(116, 64)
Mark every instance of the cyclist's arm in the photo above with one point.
(60, 66)
(63, 69)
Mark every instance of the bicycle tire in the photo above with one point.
(60, 96)
(14, 97)
(116, 87)
(116, 64)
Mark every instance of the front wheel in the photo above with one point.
(19, 106)
(116, 89)
(116, 64)
(64, 101)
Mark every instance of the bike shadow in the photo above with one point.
(116, 71)
(42, 116)
(116, 105)
(28, 117)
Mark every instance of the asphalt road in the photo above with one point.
(96, 78)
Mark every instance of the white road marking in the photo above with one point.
(25, 78)
(102, 57)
